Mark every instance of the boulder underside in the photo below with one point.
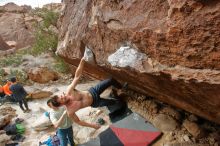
(165, 49)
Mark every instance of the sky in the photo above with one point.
(32, 3)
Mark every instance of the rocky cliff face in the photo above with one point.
(165, 49)
(55, 7)
(17, 24)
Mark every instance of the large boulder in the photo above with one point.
(36, 93)
(193, 129)
(165, 49)
(6, 115)
(165, 123)
(42, 75)
(42, 123)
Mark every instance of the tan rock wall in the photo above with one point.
(173, 45)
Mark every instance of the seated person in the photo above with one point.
(2, 94)
(6, 87)
(5, 98)
(8, 92)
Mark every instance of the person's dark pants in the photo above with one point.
(65, 136)
(99, 88)
(21, 102)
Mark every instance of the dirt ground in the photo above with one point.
(38, 107)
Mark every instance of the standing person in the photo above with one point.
(63, 123)
(75, 100)
(19, 93)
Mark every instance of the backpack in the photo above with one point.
(51, 141)
(55, 141)
(20, 128)
(11, 129)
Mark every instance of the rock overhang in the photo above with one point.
(163, 59)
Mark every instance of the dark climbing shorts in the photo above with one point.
(95, 97)
(98, 89)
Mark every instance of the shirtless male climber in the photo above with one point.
(74, 99)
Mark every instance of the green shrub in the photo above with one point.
(60, 65)
(13, 59)
(45, 42)
(46, 39)
(2, 74)
(49, 17)
(20, 75)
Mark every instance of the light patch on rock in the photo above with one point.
(126, 57)
(12, 44)
(93, 20)
(117, 25)
(186, 138)
(89, 55)
(62, 44)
